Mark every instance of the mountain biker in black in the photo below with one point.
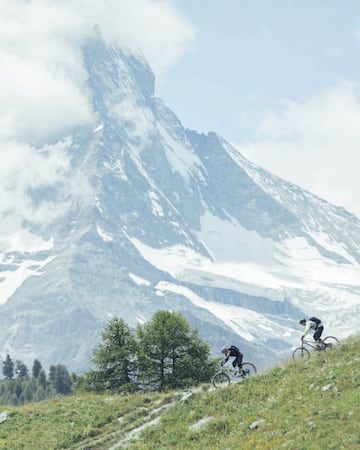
(232, 351)
(313, 323)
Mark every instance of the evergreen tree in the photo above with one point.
(8, 368)
(61, 380)
(26, 389)
(28, 393)
(115, 358)
(20, 369)
(195, 365)
(18, 389)
(36, 368)
(42, 379)
(52, 375)
(40, 394)
(171, 353)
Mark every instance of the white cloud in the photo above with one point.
(43, 93)
(42, 77)
(153, 26)
(25, 170)
(138, 122)
(41, 82)
(314, 143)
(38, 104)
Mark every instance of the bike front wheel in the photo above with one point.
(221, 379)
(301, 353)
(248, 370)
(329, 342)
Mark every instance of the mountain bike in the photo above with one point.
(302, 352)
(226, 374)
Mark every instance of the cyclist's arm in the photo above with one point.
(307, 329)
(225, 360)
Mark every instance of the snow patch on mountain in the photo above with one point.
(117, 168)
(98, 128)
(241, 320)
(157, 209)
(295, 263)
(139, 280)
(181, 158)
(17, 263)
(227, 240)
(307, 263)
(12, 279)
(327, 242)
(178, 259)
(107, 237)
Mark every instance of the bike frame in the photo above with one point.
(311, 344)
(227, 373)
(303, 352)
(324, 344)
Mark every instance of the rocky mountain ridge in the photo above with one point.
(155, 216)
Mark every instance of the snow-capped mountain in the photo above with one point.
(155, 216)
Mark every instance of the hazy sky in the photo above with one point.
(280, 79)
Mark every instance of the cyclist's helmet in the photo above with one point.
(302, 321)
(224, 350)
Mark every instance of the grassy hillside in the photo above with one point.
(303, 405)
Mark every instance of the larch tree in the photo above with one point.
(115, 358)
(171, 354)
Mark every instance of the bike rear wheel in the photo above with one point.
(248, 370)
(329, 342)
(221, 379)
(301, 353)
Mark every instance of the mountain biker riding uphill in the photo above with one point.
(313, 323)
(232, 351)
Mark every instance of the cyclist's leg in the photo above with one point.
(239, 360)
(317, 335)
